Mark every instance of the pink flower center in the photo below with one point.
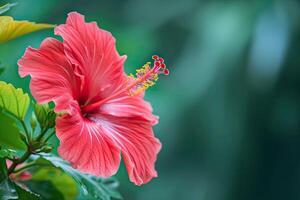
(144, 78)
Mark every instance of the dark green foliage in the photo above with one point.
(45, 189)
(97, 188)
(26, 194)
(9, 133)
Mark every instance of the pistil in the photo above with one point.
(143, 79)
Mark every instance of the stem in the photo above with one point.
(30, 150)
(26, 155)
(25, 167)
(43, 132)
(18, 161)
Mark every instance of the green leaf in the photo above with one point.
(62, 182)
(26, 194)
(6, 153)
(7, 189)
(95, 187)
(13, 100)
(10, 190)
(6, 7)
(45, 189)
(9, 133)
(45, 115)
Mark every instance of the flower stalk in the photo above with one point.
(33, 147)
(20, 160)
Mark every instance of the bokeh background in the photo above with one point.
(230, 109)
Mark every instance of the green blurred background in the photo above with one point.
(230, 109)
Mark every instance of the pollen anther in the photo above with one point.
(146, 76)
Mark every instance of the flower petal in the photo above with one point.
(52, 76)
(93, 50)
(93, 144)
(129, 120)
(130, 106)
(87, 146)
(138, 145)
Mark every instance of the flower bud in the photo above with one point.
(47, 149)
(33, 122)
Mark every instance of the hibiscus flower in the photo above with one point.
(105, 114)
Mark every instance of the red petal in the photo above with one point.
(52, 75)
(93, 145)
(129, 121)
(87, 146)
(94, 51)
(139, 147)
(130, 106)
(24, 176)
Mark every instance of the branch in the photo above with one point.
(19, 160)
(25, 167)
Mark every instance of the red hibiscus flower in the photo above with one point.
(105, 113)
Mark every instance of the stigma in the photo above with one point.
(146, 76)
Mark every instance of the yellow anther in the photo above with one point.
(146, 76)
